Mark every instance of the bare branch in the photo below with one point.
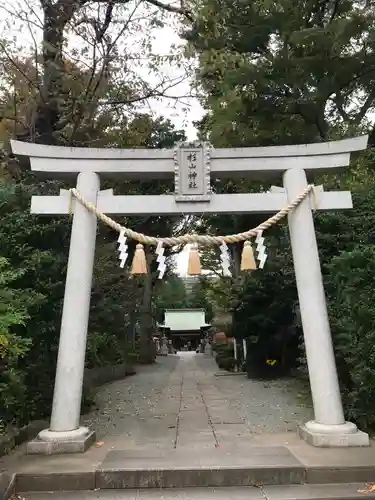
(334, 11)
(365, 107)
(107, 20)
(17, 67)
(339, 101)
(172, 8)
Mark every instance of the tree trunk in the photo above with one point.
(236, 252)
(147, 353)
(52, 96)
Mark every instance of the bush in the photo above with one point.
(14, 342)
(265, 312)
(39, 247)
(268, 368)
(350, 286)
(105, 349)
(225, 356)
(270, 357)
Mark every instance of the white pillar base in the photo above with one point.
(55, 443)
(333, 436)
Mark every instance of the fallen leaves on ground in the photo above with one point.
(370, 488)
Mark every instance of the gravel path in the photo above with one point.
(267, 406)
(130, 398)
(179, 402)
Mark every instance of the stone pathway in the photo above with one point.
(176, 427)
(180, 403)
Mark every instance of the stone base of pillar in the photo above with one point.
(56, 443)
(333, 436)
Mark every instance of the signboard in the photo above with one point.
(192, 172)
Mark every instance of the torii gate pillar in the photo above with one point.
(192, 165)
(329, 427)
(66, 409)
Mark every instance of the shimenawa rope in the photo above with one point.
(193, 238)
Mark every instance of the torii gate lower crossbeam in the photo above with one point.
(193, 195)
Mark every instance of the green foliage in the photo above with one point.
(39, 247)
(352, 314)
(284, 72)
(225, 356)
(260, 312)
(170, 295)
(266, 309)
(198, 297)
(14, 342)
(14, 306)
(106, 349)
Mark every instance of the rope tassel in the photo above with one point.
(139, 265)
(194, 263)
(247, 260)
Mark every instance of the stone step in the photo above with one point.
(140, 469)
(273, 465)
(286, 492)
(123, 469)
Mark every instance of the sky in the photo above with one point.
(182, 114)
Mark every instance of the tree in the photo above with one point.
(353, 318)
(198, 298)
(14, 308)
(106, 32)
(14, 344)
(171, 295)
(39, 249)
(291, 72)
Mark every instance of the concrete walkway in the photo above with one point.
(180, 403)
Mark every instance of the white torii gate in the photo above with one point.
(192, 166)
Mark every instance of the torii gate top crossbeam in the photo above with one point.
(65, 162)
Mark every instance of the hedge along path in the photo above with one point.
(194, 238)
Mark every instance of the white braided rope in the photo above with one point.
(192, 238)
